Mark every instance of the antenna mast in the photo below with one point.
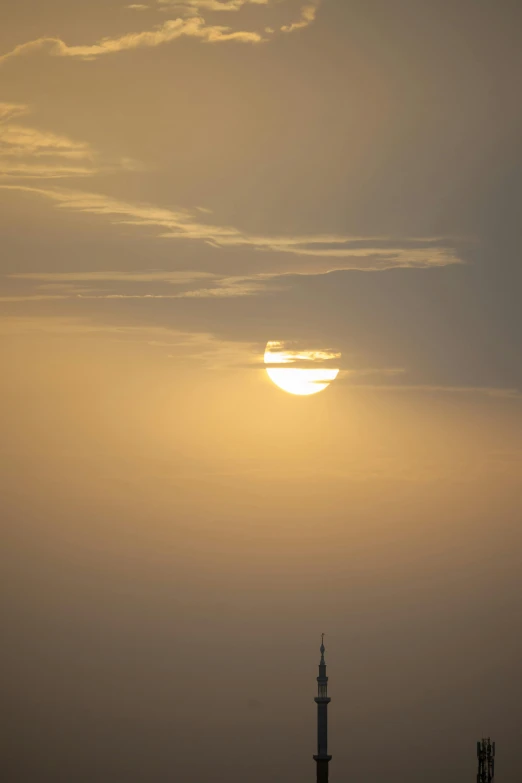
(486, 760)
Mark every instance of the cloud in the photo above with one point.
(283, 352)
(193, 285)
(281, 255)
(170, 30)
(9, 111)
(230, 288)
(207, 350)
(308, 15)
(190, 24)
(176, 277)
(189, 6)
(17, 140)
(26, 152)
(208, 293)
(487, 391)
(30, 298)
(213, 352)
(32, 171)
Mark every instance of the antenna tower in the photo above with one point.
(486, 760)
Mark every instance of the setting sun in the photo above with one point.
(299, 380)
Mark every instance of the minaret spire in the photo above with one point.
(322, 700)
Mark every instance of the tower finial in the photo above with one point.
(322, 648)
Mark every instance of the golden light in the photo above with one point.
(299, 380)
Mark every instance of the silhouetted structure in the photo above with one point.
(486, 760)
(322, 700)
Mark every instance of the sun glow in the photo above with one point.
(300, 380)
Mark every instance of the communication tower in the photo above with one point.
(486, 760)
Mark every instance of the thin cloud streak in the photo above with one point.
(351, 252)
(170, 30)
(176, 277)
(488, 391)
(189, 6)
(35, 171)
(308, 16)
(8, 111)
(207, 350)
(190, 25)
(29, 153)
(17, 140)
(62, 286)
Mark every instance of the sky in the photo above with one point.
(182, 183)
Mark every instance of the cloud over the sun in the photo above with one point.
(212, 352)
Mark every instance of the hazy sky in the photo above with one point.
(181, 182)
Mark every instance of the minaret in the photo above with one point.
(322, 758)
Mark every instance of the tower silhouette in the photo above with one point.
(322, 700)
(486, 760)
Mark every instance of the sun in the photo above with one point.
(300, 380)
